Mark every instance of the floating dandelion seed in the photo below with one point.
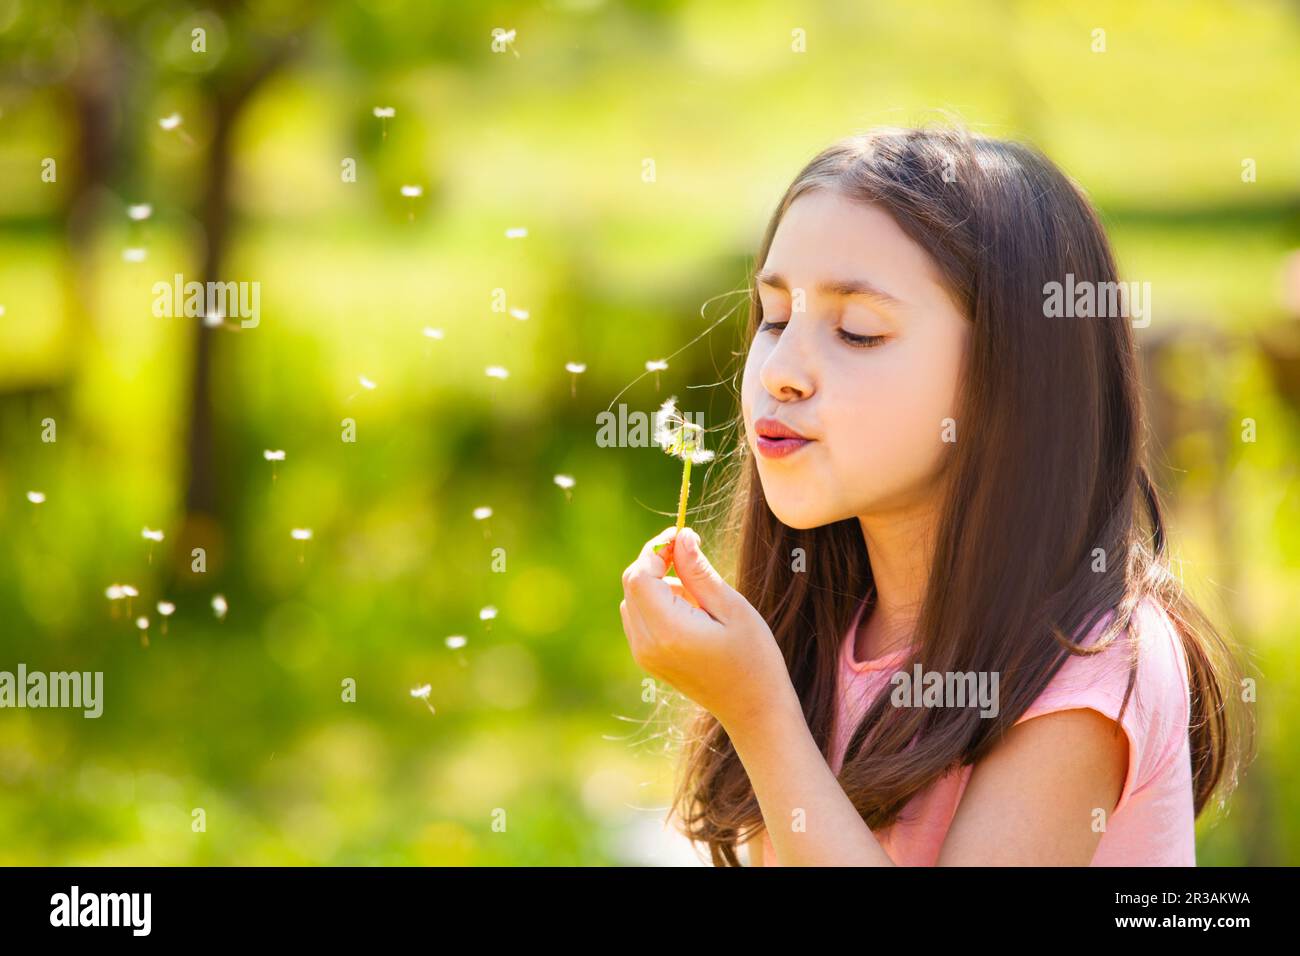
(165, 610)
(432, 333)
(566, 482)
(496, 371)
(385, 113)
(413, 192)
(214, 319)
(36, 497)
(520, 314)
(455, 641)
(682, 439)
(143, 624)
(219, 606)
(516, 232)
(134, 254)
(505, 38)
(482, 514)
(173, 122)
(366, 383)
(303, 535)
(487, 614)
(140, 211)
(153, 537)
(576, 368)
(423, 692)
(273, 457)
(656, 366)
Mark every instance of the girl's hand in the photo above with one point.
(698, 633)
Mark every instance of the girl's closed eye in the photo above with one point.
(853, 339)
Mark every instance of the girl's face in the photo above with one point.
(867, 370)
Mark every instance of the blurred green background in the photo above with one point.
(163, 424)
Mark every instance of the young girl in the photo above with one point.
(941, 478)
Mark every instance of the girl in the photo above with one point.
(943, 479)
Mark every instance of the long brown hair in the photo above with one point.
(1049, 467)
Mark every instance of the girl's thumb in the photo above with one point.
(698, 575)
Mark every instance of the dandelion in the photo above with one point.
(303, 535)
(520, 314)
(516, 232)
(656, 366)
(384, 113)
(432, 333)
(165, 610)
(273, 456)
(566, 482)
(574, 369)
(140, 211)
(496, 371)
(682, 439)
(36, 497)
(134, 254)
(219, 606)
(423, 692)
(487, 614)
(504, 39)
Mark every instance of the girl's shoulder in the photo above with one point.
(1156, 714)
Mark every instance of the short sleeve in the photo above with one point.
(1158, 708)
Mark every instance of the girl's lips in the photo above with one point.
(779, 447)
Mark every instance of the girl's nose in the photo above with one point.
(787, 373)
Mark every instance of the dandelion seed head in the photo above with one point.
(565, 481)
(487, 613)
(412, 192)
(301, 534)
(142, 623)
(577, 368)
(151, 534)
(385, 112)
(277, 455)
(455, 641)
(482, 512)
(166, 608)
(139, 211)
(422, 691)
(36, 497)
(656, 365)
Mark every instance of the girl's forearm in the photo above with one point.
(789, 775)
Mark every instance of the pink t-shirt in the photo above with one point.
(1153, 823)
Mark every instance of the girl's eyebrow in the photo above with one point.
(834, 287)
